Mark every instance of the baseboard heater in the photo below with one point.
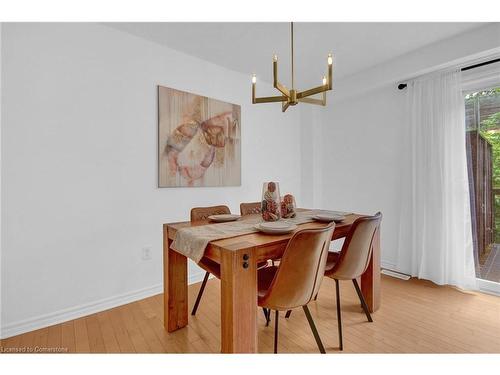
(397, 275)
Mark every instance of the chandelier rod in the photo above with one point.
(293, 79)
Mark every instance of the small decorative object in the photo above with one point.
(271, 201)
(288, 206)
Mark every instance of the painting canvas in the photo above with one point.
(199, 140)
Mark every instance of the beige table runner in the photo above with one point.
(192, 241)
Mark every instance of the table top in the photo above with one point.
(266, 244)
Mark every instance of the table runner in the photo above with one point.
(192, 241)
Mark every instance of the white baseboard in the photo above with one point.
(388, 265)
(76, 312)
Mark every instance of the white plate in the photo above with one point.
(223, 218)
(329, 218)
(276, 227)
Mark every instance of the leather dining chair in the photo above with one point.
(297, 279)
(250, 208)
(211, 267)
(353, 260)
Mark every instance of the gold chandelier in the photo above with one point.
(292, 96)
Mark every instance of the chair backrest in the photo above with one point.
(250, 208)
(357, 249)
(202, 213)
(301, 270)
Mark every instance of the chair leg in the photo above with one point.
(362, 299)
(267, 314)
(200, 293)
(276, 331)
(339, 314)
(316, 297)
(288, 313)
(313, 329)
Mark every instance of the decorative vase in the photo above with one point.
(288, 206)
(270, 206)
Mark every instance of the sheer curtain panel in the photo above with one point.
(435, 233)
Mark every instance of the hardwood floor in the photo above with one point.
(415, 317)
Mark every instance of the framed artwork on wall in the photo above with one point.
(199, 140)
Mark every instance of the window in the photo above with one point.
(482, 112)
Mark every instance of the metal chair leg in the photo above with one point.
(276, 332)
(267, 314)
(200, 293)
(313, 329)
(288, 313)
(362, 299)
(339, 314)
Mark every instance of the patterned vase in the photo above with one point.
(270, 207)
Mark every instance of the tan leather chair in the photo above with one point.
(298, 278)
(250, 208)
(353, 260)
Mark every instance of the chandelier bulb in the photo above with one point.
(254, 78)
(275, 58)
(324, 80)
(330, 59)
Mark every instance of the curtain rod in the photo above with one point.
(402, 86)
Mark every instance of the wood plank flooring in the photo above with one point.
(416, 317)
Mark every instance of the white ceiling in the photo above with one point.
(249, 47)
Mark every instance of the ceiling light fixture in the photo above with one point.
(291, 96)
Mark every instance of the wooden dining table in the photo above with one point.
(238, 258)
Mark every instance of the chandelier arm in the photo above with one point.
(281, 88)
(313, 91)
(276, 84)
(313, 101)
(284, 106)
(270, 99)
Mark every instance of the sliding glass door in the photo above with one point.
(482, 110)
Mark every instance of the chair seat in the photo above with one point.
(333, 258)
(264, 278)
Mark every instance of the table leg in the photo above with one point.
(175, 296)
(370, 281)
(238, 301)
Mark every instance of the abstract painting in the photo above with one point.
(199, 140)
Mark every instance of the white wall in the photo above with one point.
(79, 165)
(362, 130)
(361, 143)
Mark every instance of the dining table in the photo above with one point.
(238, 258)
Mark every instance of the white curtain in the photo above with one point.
(435, 233)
